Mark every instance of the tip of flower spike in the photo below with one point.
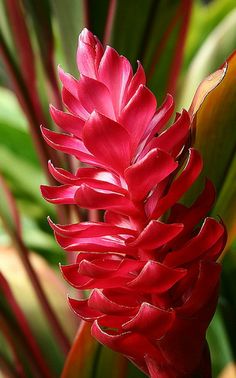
(87, 37)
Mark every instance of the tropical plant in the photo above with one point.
(179, 43)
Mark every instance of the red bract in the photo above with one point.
(151, 264)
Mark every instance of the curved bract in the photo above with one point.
(151, 264)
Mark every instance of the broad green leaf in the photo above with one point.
(24, 179)
(10, 112)
(97, 14)
(42, 242)
(155, 35)
(220, 348)
(212, 53)
(205, 17)
(40, 13)
(18, 142)
(130, 25)
(69, 16)
(226, 203)
(228, 302)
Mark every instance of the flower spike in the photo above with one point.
(151, 264)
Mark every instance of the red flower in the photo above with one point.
(151, 263)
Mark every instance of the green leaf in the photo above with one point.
(10, 111)
(23, 178)
(221, 353)
(205, 17)
(226, 202)
(157, 38)
(69, 16)
(212, 53)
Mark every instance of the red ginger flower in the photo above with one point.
(150, 266)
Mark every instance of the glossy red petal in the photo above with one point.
(137, 114)
(81, 308)
(126, 343)
(89, 229)
(156, 278)
(61, 175)
(59, 194)
(98, 300)
(94, 95)
(70, 273)
(89, 54)
(198, 210)
(96, 244)
(69, 145)
(156, 234)
(67, 122)
(115, 72)
(142, 176)
(73, 104)
(146, 319)
(112, 145)
(209, 233)
(138, 79)
(161, 117)
(203, 288)
(93, 198)
(174, 138)
(183, 182)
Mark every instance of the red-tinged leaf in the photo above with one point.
(22, 40)
(40, 12)
(24, 328)
(206, 86)
(214, 122)
(78, 362)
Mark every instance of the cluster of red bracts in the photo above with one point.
(151, 265)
